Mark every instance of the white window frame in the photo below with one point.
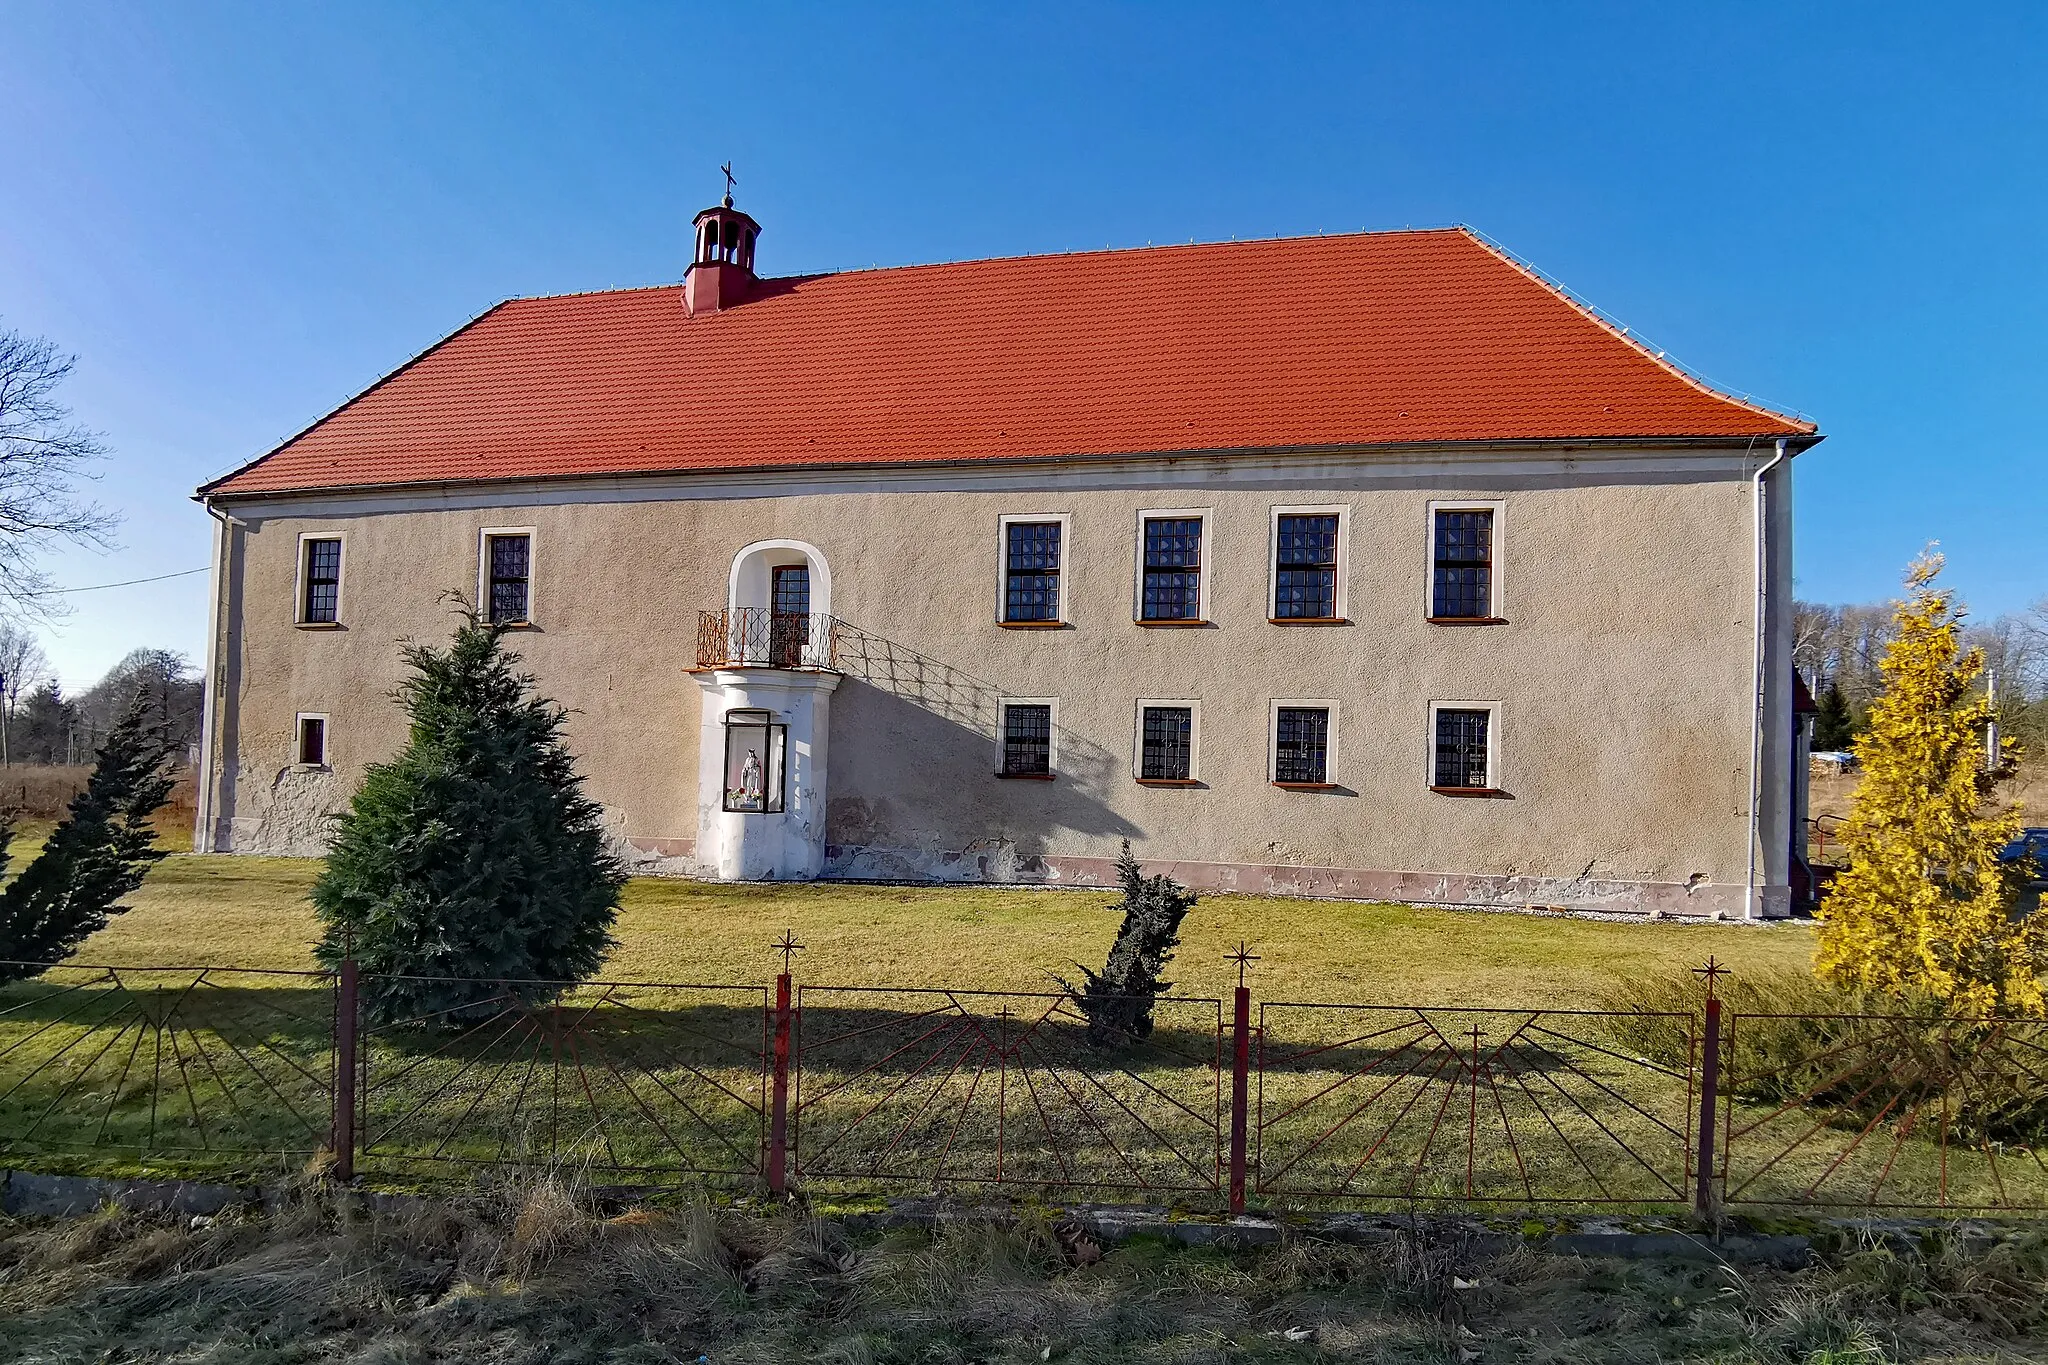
(340, 582)
(1342, 603)
(1496, 575)
(1003, 524)
(1193, 706)
(1330, 752)
(483, 572)
(1206, 516)
(1052, 735)
(326, 763)
(1493, 744)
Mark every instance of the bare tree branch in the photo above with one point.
(44, 457)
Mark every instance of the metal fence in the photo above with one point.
(1383, 1104)
(936, 1087)
(1278, 1104)
(215, 1067)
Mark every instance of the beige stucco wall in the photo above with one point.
(1623, 674)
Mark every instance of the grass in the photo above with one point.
(905, 1091)
(253, 912)
(234, 1064)
(533, 1271)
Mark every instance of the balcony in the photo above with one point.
(756, 637)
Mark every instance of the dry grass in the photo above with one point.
(532, 1271)
(37, 795)
(1831, 794)
(253, 912)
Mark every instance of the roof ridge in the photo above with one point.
(1276, 239)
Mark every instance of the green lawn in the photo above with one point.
(253, 912)
(902, 1089)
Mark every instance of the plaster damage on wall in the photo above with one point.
(295, 816)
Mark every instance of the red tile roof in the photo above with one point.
(1362, 340)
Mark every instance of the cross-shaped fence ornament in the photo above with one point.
(1711, 974)
(1243, 957)
(788, 947)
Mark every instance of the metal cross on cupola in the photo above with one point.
(722, 266)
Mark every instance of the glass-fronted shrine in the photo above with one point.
(756, 746)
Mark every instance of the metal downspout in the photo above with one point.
(1756, 718)
(209, 723)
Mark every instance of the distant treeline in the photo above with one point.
(1837, 650)
(39, 724)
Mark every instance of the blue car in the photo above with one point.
(2032, 843)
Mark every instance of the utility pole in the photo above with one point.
(1991, 728)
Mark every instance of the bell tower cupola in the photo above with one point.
(722, 263)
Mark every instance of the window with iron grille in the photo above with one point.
(322, 582)
(1027, 739)
(1173, 570)
(1301, 745)
(1166, 747)
(1305, 568)
(1461, 749)
(1031, 571)
(1463, 579)
(509, 559)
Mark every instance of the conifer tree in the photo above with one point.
(99, 852)
(472, 856)
(1118, 1000)
(1924, 907)
(1834, 727)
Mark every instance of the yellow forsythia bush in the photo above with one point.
(1924, 907)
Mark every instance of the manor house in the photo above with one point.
(1370, 565)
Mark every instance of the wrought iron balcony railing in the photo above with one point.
(756, 637)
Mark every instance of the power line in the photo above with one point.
(131, 582)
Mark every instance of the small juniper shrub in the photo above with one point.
(1799, 1039)
(1118, 1000)
(99, 852)
(471, 864)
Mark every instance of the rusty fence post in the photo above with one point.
(778, 1082)
(342, 1136)
(1703, 1202)
(1240, 1077)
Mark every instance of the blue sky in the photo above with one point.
(239, 215)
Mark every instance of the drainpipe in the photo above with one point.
(1756, 718)
(209, 725)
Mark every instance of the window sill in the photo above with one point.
(317, 625)
(1026, 777)
(513, 625)
(1466, 620)
(1306, 786)
(1033, 625)
(1308, 620)
(1168, 625)
(1167, 782)
(1468, 791)
(312, 767)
